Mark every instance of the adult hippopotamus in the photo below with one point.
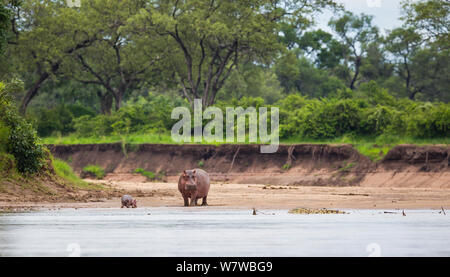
(194, 184)
(128, 201)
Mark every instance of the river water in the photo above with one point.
(219, 232)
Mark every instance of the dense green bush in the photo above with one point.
(22, 141)
(4, 137)
(144, 114)
(369, 111)
(429, 120)
(326, 118)
(377, 120)
(60, 119)
(87, 126)
(375, 95)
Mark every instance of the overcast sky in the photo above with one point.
(386, 12)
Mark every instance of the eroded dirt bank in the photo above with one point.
(295, 165)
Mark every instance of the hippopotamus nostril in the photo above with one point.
(191, 187)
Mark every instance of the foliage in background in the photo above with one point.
(59, 120)
(4, 25)
(18, 135)
(107, 51)
(350, 84)
(368, 112)
(149, 114)
(372, 111)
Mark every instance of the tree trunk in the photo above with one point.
(412, 94)
(355, 77)
(211, 100)
(118, 98)
(106, 100)
(32, 92)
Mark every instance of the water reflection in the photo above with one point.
(207, 232)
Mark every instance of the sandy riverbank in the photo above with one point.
(247, 196)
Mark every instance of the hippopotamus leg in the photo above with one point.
(193, 199)
(204, 201)
(186, 200)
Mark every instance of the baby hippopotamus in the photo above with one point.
(194, 184)
(128, 201)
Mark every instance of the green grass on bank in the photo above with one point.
(10, 177)
(132, 138)
(95, 170)
(63, 170)
(374, 148)
(167, 139)
(372, 151)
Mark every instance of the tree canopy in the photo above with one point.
(107, 52)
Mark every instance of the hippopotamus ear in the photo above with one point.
(184, 172)
(193, 171)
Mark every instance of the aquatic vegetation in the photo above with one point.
(314, 211)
